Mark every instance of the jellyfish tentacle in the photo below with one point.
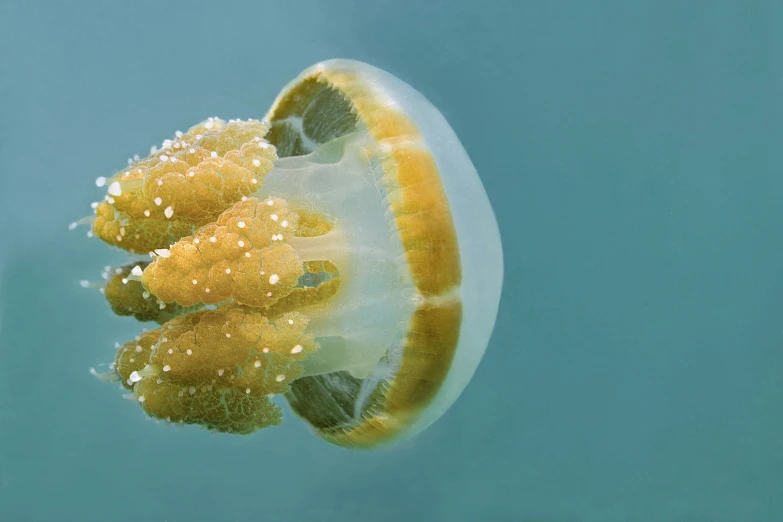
(126, 295)
(87, 220)
(216, 368)
(185, 184)
(111, 376)
(243, 256)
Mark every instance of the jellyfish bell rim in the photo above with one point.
(477, 235)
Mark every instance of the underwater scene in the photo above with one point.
(413, 261)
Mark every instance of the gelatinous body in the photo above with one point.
(345, 250)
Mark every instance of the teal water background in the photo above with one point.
(632, 153)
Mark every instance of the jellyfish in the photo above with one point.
(340, 255)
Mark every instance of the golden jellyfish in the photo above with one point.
(340, 253)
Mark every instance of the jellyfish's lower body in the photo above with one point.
(318, 311)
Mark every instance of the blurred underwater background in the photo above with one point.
(632, 153)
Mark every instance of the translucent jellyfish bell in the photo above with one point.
(341, 253)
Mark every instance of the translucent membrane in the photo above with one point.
(373, 303)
